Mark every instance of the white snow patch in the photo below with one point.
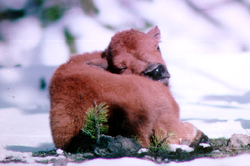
(59, 151)
(142, 150)
(228, 161)
(174, 147)
(21, 38)
(90, 36)
(121, 162)
(54, 50)
(13, 4)
(204, 145)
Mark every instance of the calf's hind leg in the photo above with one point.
(190, 135)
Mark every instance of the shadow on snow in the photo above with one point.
(244, 99)
(42, 147)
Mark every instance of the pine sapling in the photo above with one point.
(160, 141)
(95, 120)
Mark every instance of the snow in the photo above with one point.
(241, 160)
(90, 36)
(142, 150)
(174, 147)
(209, 75)
(28, 28)
(53, 45)
(121, 162)
(13, 4)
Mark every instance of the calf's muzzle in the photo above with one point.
(156, 71)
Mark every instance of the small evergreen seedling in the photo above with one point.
(95, 120)
(160, 141)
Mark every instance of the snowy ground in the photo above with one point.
(212, 91)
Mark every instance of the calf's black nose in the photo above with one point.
(156, 72)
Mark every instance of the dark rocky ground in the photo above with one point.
(116, 147)
(110, 147)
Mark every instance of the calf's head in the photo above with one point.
(134, 52)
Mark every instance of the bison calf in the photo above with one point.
(132, 78)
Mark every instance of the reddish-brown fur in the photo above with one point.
(138, 106)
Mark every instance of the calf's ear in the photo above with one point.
(155, 33)
(98, 62)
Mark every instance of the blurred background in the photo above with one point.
(206, 44)
(46, 32)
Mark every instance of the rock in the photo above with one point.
(88, 155)
(239, 140)
(119, 146)
(220, 142)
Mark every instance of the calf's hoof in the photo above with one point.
(201, 143)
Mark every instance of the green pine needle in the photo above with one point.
(95, 122)
(160, 141)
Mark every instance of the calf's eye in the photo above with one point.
(122, 69)
(158, 48)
